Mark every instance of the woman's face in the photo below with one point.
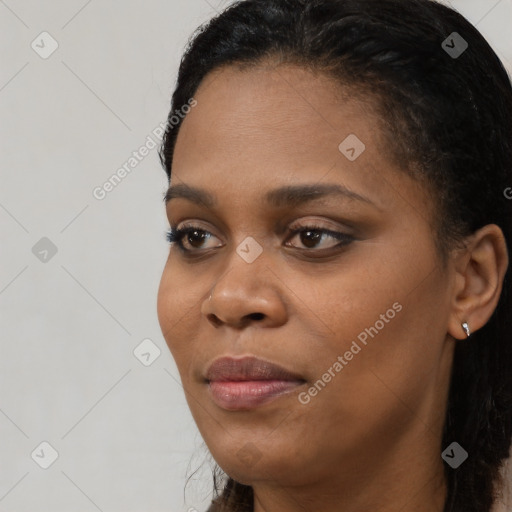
(361, 321)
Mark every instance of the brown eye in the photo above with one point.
(193, 236)
(196, 236)
(311, 236)
(192, 239)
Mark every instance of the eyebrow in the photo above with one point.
(291, 195)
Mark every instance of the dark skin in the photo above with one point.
(371, 438)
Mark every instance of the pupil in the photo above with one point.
(310, 239)
(194, 234)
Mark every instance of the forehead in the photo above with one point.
(282, 106)
(265, 125)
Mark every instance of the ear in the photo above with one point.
(480, 269)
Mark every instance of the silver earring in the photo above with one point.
(465, 326)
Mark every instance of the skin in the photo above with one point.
(371, 438)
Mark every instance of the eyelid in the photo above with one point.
(319, 223)
(284, 228)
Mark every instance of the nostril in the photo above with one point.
(217, 322)
(214, 320)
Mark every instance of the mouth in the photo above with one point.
(248, 382)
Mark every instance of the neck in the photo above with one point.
(407, 476)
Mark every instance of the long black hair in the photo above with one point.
(445, 105)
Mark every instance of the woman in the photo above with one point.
(337, 292)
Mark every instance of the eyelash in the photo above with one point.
(176, 236)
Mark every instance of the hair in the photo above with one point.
(448, 122)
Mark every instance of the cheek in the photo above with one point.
(166, 301)
(178, 304)
(386, 318)
(343, 304)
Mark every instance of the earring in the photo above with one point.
(465, 326)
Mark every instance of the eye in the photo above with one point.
(311, 236)
(192, 234)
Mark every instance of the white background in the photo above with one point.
(125, 439)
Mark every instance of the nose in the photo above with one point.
(246, 294)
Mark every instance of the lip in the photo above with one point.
(247, 382)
